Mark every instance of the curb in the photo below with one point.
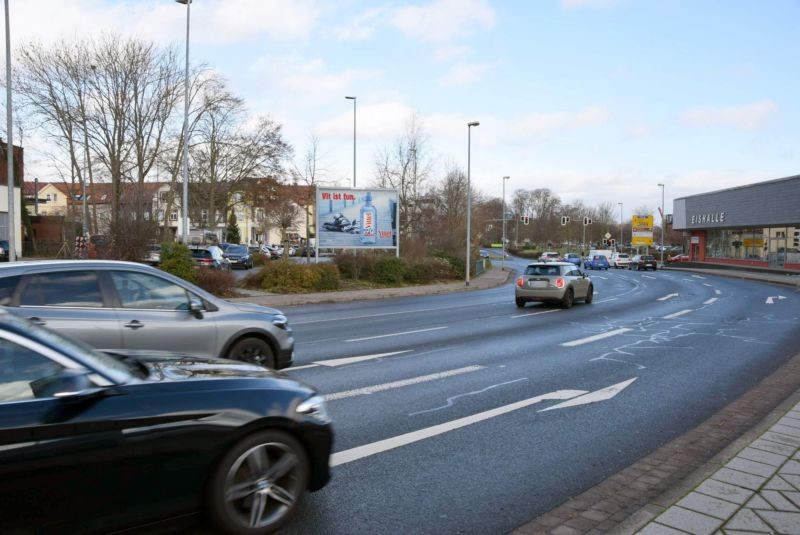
(785, 280)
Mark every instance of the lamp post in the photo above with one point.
(469, 191)
(185, 208)
(620, 224)
(503, 260)
(662, 224)
(12, 250)
(354, 139)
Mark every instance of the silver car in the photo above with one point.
(124, 305)
(555, 282)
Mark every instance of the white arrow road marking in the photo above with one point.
(395, 334)
(718, 292)
(710, 301)
(399, 384)
(770, 298)
(698, 276)
(595, 337)
(367, 450)
(350, 360)
(668, 296)
(648, 277)
(535, 313)
(593, 397)
(676, 314)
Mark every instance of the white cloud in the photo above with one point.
(385, 120)
(443, 20)
(577, 4)
(451, 53)
(362, 27)
(545, 123)
(750, 117)
(464, 72)
(212, 21)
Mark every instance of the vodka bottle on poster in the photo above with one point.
(368, 221)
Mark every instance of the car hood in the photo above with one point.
(166, 366)
(252, 307)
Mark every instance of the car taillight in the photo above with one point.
(560, 282)
(520, 282)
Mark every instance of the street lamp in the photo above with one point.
(185, 210)
(12, 250)
(354, 139)
(469, 191)
(662, 224)
(503, 260)
(620, 225)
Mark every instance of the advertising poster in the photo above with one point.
(356, 218)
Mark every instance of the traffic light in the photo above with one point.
(605, 242)
(612, 241)
(564, 219)
(587, 221)
(526, 220)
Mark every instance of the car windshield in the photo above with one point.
(599, 257)
(543, 270)
(201, 253)
(237, 249)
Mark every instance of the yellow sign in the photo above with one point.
(757, 242)
(642, 230)
(643, 222)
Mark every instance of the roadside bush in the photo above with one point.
(259, 259)
(215, 281)
(456, 263)
(355, 266)
(428, 270)
(388, 270)
(285, 276)
(328, 276)
(176, 259)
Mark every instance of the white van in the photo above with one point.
(620, 260)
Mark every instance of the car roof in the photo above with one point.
(570, 264)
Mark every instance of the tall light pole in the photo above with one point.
(662, 224)
(620, 225)
(503, 260)
(354, 139)
(12, 250)
(469, 191)
(185, 208)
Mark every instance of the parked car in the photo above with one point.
(484, 253)
(550, 257)
(153, 255)
(597, 261)
(96, 442)
(573, 259)
(306, 250)
(643, 261)
(126, 305)
(210, 256)
(271, 250)
(238, 256)
(4, 250)
(620, 260)
(556, 282)
(678, 258)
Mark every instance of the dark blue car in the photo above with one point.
(596, 262)
(574, 258)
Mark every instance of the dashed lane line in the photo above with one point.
(595, 337)
(676, 314)
(399, 384)
(710, 301)
(718, 292)
(535, 313)
(332, 363)
(396, 334)
(668, 296)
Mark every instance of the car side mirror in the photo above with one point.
(196, 308)
(66, 384)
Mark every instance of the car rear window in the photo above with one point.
(543, 270)
(201, 253)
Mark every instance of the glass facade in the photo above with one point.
(775, 245)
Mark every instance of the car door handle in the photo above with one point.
(135, 324)
(37, 321)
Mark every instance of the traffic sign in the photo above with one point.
(606, 235)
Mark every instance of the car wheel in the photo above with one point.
(589, 295)
(568, 300)
(520, 302)
(655, 268)
(253, 351)
(258, 484)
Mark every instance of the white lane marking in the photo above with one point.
(367, 450)
(350, 360)
(450, 400)
(599, 277)
(718, 292)
(596, 337)
(770, 298)
(648, 277)
(293, 368)
(710, 301)
(698, 276)
(707, 284)
(535, 313)
(689, 280)
(396, 334)
(431, 309)
(399, 384)
(676, 314)
(668, 296)
(606, 300)
(593, 397)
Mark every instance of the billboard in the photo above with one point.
(642, 227)
(357, 218)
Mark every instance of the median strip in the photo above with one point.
(596, 337)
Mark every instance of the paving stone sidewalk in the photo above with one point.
(758, 491)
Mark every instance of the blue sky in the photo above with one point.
(598, 100)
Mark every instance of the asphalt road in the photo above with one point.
(439, 402)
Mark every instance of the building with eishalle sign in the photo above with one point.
(753, 225)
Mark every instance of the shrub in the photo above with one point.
(418, 273)
(456, 263)
(259, 259)
(176, 259)
(328, 276)
(355, 266)
(291, 277)
(388, 270)
(215, 281)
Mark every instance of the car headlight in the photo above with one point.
(316, 408)
(279, 320)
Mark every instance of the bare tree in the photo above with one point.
(283, 215)
(311, 171)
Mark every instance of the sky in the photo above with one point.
(597, 100)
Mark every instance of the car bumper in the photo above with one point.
(540, 294)
(319, 446)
